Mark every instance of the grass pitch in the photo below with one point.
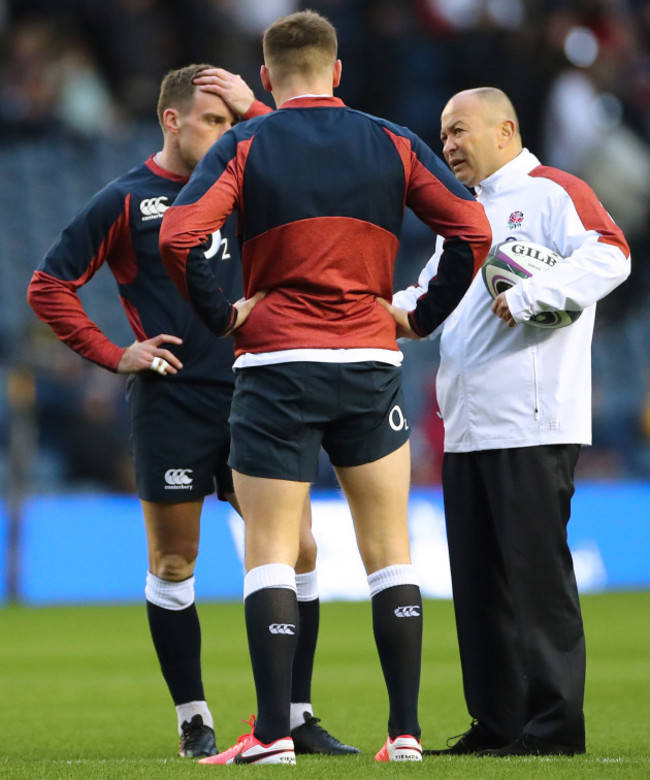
(82, 696)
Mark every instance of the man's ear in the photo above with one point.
(171, 119)
(507, 131)
(336, 77)
(266, 78)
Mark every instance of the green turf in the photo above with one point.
(82, 696)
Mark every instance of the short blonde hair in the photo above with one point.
(177, 89)
(302, 44)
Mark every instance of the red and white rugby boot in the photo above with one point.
(402, 748)
(249, 750)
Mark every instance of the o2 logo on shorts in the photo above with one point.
(178, 479)
(396, 419)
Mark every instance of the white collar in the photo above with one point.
(306, 95)
(523, 163)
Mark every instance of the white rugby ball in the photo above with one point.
(511, 261)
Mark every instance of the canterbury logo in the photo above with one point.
(153, 208)
(178, 478)
(412, 610)
(282, 628)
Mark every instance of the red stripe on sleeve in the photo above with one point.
(591, 211)
(135, 322)
(257, 109)
(449, 215)
(444, 212)
(56, 303)
(403, 148)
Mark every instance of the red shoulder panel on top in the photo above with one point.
(591, 211)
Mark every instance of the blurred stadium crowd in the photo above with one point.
(79, 83)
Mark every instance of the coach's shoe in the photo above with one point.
(309, 737)
(249, 750)
(402, 748)
(476, 739)
(197, 739)
(534, 746)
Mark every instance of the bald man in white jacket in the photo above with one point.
(516, 405)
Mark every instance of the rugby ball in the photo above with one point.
(511, 261)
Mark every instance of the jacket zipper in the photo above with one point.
(535, 385)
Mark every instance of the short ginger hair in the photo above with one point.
(299, 44)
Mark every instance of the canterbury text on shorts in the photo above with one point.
(282, 413)
(180, 439)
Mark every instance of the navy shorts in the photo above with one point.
(180, 439)
(282, 413)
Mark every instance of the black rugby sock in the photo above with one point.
(397, 625)
(303, 661)
(272, 627)
(176, 636)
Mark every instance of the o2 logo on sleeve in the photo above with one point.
(218, 243)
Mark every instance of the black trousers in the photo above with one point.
(520, 632)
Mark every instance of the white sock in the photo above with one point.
(307, 586)
(389, 577)
(296, 715)
(269, 575)
(169, 594)
(189, 709)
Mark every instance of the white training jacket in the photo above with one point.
(501, 387)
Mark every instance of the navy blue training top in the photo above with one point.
(120, 226)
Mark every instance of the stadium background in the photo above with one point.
(78, 87)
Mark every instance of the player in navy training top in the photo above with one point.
(180, 381)
(320, 191)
